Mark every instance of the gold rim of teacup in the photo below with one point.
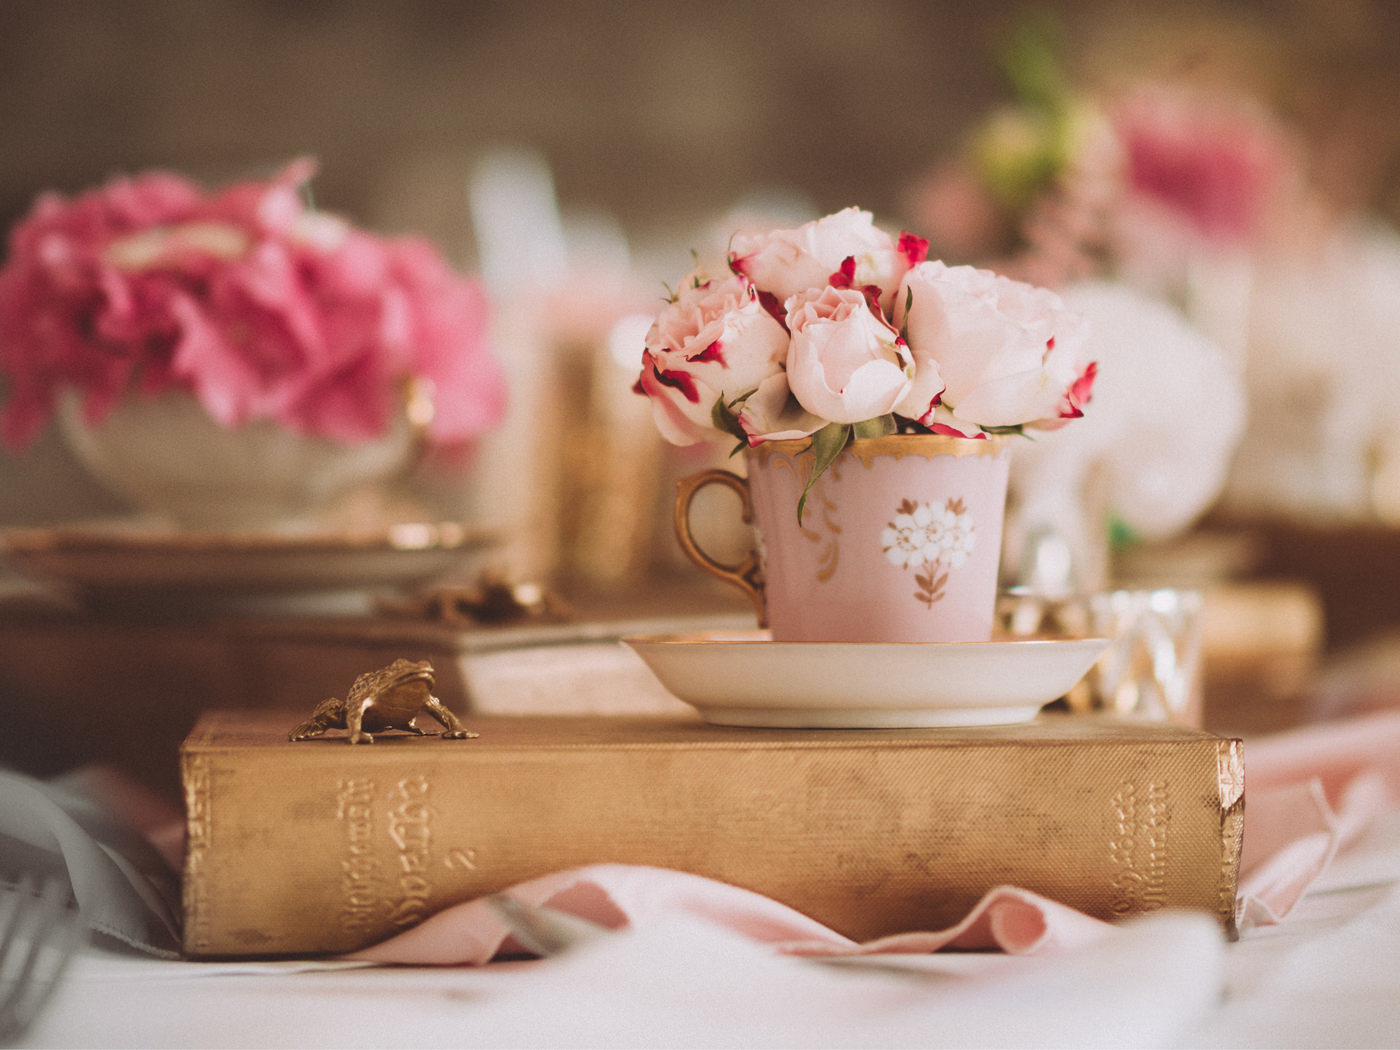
(894, 445)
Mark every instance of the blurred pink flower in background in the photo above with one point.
(1207, 159)
(259, 306)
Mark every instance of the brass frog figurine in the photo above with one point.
(389, 698)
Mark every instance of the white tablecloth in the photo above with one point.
(1328, 976)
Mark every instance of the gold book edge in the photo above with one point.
(1232, 794)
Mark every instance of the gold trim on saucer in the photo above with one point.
(128, 562)
(121, 537)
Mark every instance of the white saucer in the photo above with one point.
(132, 563)
(742, 678)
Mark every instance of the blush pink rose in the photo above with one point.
(845, 249)
(714, 344)
(1008, 353)
(845, 363)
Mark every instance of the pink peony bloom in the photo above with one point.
(713, 346)
(1010, 354)
(845, 249)
(968, 352)
(259, 307)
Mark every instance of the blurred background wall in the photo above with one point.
(659, 114)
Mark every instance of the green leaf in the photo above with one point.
(723, 417)
(880, 426)
(827, 444)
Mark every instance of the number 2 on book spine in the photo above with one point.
(461, 859)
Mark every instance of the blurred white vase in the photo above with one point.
(169, 458)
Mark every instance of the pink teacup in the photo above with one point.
(899, 541)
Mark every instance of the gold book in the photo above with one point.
(322, 846)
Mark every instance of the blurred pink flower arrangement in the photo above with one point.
(1060, 185)
(248, 299)
(837, 330)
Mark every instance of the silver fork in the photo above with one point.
(39, 932)
(543, 931)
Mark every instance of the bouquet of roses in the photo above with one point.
(249, 300)
(836, 330)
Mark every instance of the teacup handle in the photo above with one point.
(746, 574)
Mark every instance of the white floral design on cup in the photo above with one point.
(934, 541)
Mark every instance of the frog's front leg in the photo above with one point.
(453, 728)
(329, 714)
(354, 724)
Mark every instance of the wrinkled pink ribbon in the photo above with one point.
(615, 895)
(1308, 793)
